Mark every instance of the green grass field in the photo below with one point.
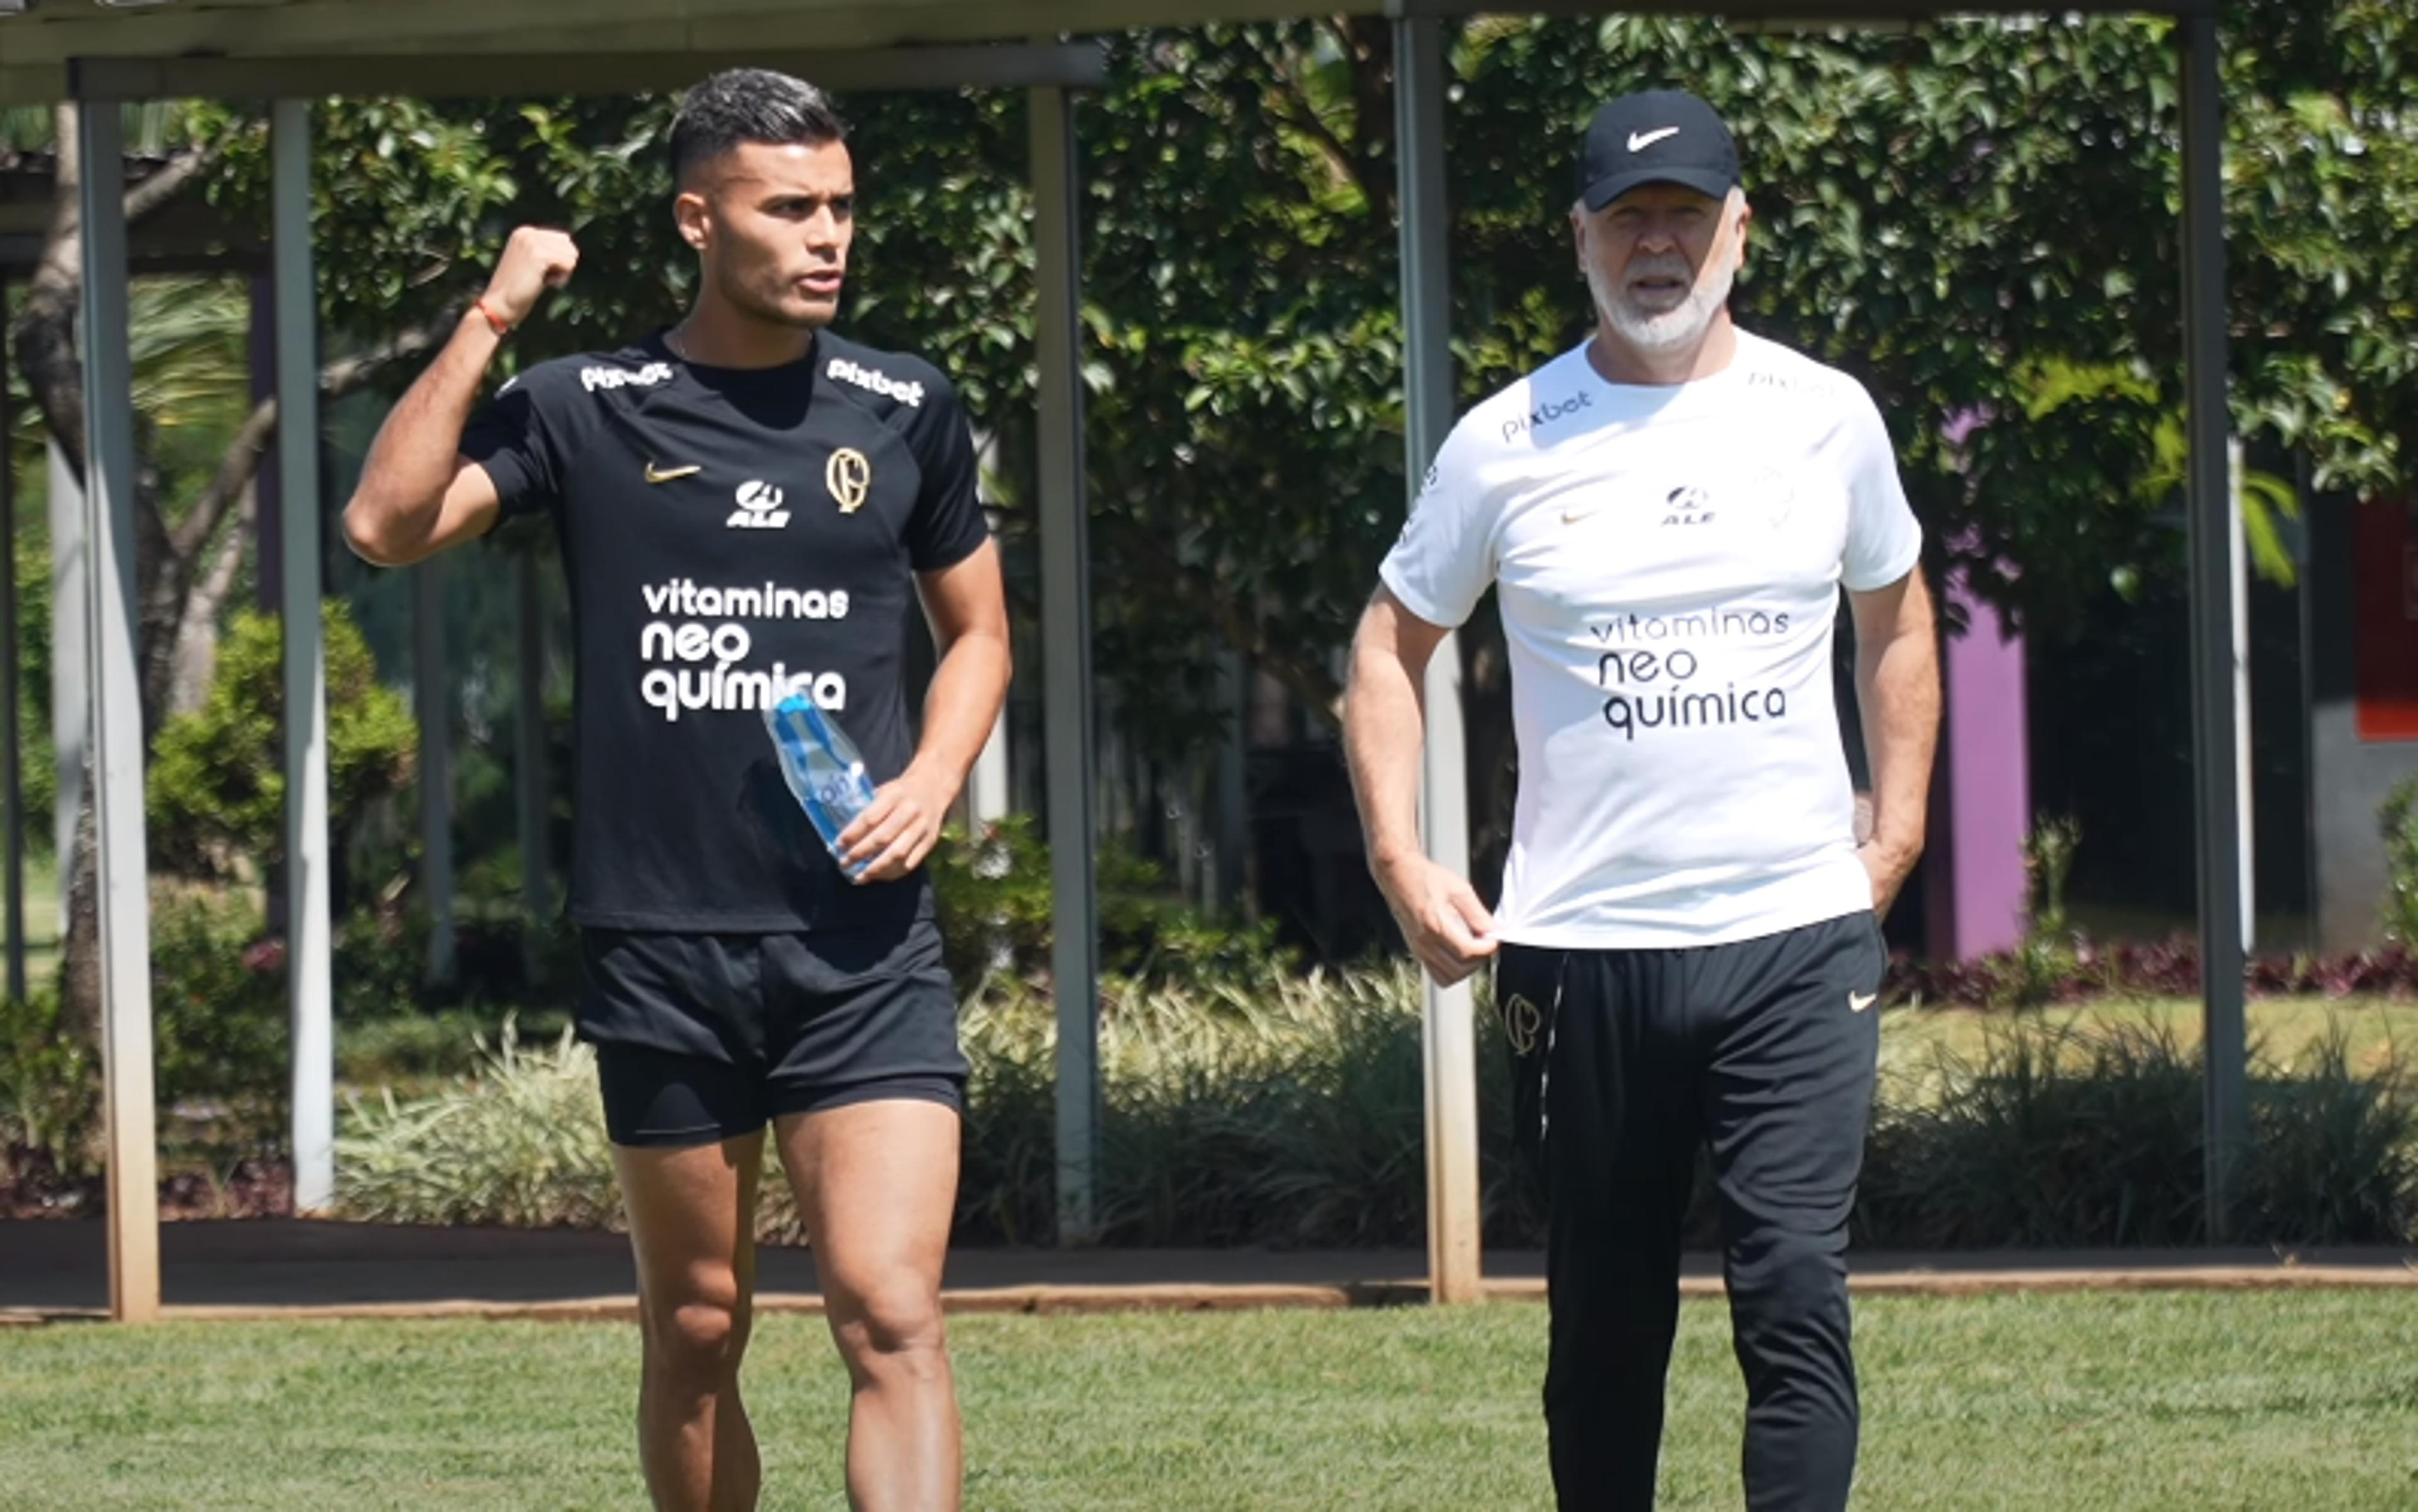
(2377, 1032)
(2261, 1402)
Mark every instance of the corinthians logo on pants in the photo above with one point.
(1521, 1020)
(759, 508)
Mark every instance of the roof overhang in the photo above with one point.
(234, 48)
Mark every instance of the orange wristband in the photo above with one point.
(501, 327)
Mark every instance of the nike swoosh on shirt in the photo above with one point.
(1859, 1001)
(655, 474)
(1640, 140)
(1574, 516)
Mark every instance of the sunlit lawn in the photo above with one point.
(2157, 1402)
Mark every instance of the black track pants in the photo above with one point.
(1628, 1061)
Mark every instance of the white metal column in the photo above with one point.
(13, 783)
(71, 680)
(1067, 656)
(432, 706)
(987, 800)
(111, 636)
(2245, 806)
(2209, 424)
(1450, 1040)
(310, 939)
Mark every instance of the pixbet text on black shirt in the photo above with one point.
(730, 536)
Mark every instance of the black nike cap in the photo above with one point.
(1659, 136)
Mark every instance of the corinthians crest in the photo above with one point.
(850, 477)
(1521, 1019)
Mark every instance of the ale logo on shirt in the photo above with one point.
(1688, 504)
(850, 477)
(759, 508)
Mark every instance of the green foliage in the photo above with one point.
(2048, 859)
(217, 784)
(2067, 1136)
(1290, 1113)
(1283, 1113)
(38, 754)
(409, 1051)
(50, 1087)
(220, 1024)
(2398, 821)
(2160, 481)
(1950, 213)
(523, 1142)
(380, 959)
(2043, 966)
(994, 900)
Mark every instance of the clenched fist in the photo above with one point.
(534, 261)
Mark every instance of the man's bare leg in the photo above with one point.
(877, 1185)
(692, 1228)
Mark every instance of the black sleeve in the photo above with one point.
(947, 526)
(509, 437)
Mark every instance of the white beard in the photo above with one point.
(1661, 331)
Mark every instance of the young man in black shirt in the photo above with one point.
(748, 506)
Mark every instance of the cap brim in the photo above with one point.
(1703, 180)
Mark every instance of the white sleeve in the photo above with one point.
(1444, 561)
(1884, 541)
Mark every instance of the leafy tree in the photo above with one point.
(1978, 218)
(216, 788)
(185, 563)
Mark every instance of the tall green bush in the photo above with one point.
(216, 792)
(2398, 821)
(220, 1024)
(49, 1088)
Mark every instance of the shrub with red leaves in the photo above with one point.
(2038, 973)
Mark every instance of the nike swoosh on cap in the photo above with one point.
(1640, 140)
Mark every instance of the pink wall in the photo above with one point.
(1982, 793)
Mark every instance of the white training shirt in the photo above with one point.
(1670, 561)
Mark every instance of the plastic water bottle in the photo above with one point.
(821, 766)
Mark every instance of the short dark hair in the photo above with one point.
(749, 105)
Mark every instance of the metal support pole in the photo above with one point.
(2207, 423)
(987, 784)
(70, 671)
(1067, 656)
(537, 895)
(14, 778)
(432, 706)
(112, 635)
(1449, 1037)
(268, 481)
(310, 938)
(2245, 806)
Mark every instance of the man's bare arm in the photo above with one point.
(418, 494)
(967, 605)
(1897, 694)
(1384, 722)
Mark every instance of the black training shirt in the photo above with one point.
(731, 534)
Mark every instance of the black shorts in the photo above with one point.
(701, 1038)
